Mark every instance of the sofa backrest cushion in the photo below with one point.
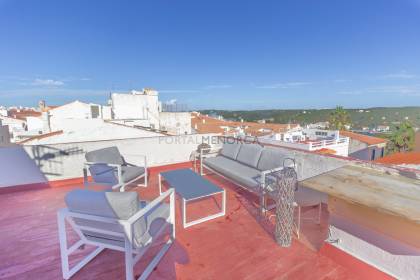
(249, 154)
(231, 148)
(271, 158)
(106, 155)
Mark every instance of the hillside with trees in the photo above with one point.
(360, 118)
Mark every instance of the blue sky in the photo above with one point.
(213, 54)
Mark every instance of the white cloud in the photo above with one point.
(341, 81)
(399, 75)
(52, 91)
(47, 82)
(217, 86)
(284, 85)
(351, 92)
(401, 90)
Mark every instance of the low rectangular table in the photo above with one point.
(191, 186)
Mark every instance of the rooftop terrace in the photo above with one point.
(237, 246)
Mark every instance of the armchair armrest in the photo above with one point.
(128, 224)
(151, 205)
(202, 156)
(137, 155)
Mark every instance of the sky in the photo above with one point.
(237, 55)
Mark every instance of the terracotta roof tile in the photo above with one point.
(401, 158)
(206, 124)
(370, 140)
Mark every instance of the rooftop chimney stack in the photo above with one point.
(41, 105)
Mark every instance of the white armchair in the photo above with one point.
(108, 167)
(116, 221)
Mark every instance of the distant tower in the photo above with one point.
(41, 105)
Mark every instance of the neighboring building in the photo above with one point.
(142, 106)
(287, 135)
(319, 125)
(23, 113)
(175, 123)
(83, 130)
(143, 109)
(3, 111)
(205, 124)
(323, 141)
(365, 147)
(4, 135)
(35, 124)
(16, 127)
(382, 128)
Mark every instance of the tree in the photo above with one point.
(339, 119)
(402, 139)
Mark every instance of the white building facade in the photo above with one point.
(311, 140)
(143, 109)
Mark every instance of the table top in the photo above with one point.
(189, 184)
(392, 194)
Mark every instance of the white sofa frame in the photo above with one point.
(261, 191)
(132, 254)
(120, 185)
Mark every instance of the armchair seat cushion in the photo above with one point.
(246, 176)
(131, 172)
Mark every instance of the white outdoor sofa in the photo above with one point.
(248, 165)
(116, 221)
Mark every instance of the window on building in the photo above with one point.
(94, 111)
(373, 154)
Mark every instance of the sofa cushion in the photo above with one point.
(249, 154)
(242, 174)
(231, 150)
(106, 155)
(271, 158)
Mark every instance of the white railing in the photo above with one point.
(327, 143)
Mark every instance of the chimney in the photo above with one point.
(41, 105)
(46, 128)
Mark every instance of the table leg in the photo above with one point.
(184, 213)
(160, 183)
(224, 203)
